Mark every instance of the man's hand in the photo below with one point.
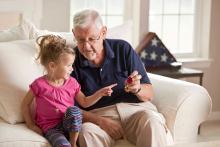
(112, 128)
(135, 84)
(146, 93)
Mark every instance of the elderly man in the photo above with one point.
(128, 112)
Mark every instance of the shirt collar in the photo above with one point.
(108, 55)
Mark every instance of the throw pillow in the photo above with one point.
(18, 69)
(25, 30)
(123, 32)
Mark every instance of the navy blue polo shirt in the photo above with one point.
(119, 63)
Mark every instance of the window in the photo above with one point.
(174, 23)
(111, 11)
(198, 55)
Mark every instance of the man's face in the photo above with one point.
(90, 40)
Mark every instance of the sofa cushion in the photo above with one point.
(123, 32)
(20, 135)
(25, 30)
(18, 70)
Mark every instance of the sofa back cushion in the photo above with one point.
(23, 31)
(18, 69)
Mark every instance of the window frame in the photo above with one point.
(200, 57)
(194, 52)
(105, 15)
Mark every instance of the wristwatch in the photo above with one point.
(137, 91)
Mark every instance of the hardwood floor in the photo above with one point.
(209, 131)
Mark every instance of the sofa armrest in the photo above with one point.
(184, 105)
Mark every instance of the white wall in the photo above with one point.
(144, 11)
(56, 15)
(211, 79)
(28, 9)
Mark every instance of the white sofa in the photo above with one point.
(184, 105)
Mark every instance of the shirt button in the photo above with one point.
(101, 69)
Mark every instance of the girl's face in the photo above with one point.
(64, 68)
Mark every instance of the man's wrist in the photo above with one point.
(139, 89)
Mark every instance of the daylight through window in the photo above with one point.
(173, 22)
(111, 11)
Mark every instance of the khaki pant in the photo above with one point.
(143, 126)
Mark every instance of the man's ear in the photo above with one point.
(73, 32)
(104, 32)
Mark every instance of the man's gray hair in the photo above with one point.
(83, 18)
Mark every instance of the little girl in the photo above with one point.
(57, 119)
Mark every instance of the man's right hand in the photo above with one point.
(112, 128)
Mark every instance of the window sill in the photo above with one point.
(195, 62)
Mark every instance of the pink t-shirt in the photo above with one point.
(46, 116)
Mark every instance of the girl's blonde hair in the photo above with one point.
(52, 48)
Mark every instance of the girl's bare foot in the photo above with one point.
(73, 145)
(73, 138)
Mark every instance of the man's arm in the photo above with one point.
(147, 91)
(113, 129)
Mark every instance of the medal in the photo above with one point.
(127, 89)
(129, 80)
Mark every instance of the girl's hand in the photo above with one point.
(107, 91)
(36, 129)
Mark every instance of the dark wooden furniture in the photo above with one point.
(180, 73)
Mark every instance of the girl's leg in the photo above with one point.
(72, 122)
(73, 138)
(56, 138)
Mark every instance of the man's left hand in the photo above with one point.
(135, 84)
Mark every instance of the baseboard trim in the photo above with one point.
(214, 116)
